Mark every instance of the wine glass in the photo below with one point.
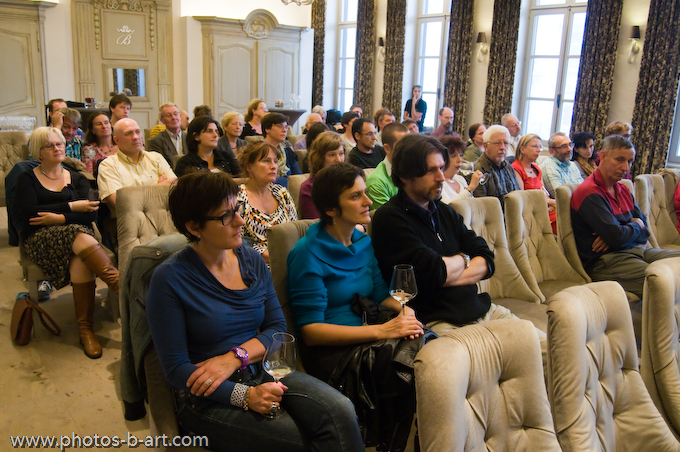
(280, 360)
(466, 169)
(484, 179)
(403, 287)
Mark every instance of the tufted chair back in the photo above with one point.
(670, 182)
(650, 195)
(142, 215)
(294, 183)
(281, 239)
(494, 397)
(533, 246)
(13, 149)
(485, 217)
(565, 232)
(660, 366)
(598, 399)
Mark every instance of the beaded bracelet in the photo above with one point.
(238, 394)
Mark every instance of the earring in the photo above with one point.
(198, 239)
(333, 221)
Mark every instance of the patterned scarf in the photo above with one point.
(588, 165)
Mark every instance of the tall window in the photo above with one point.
(552, 62)
(347, 40)
(433, 33)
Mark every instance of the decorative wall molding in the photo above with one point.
(125, 5)
(259, 24)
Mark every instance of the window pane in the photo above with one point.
(550, 2)
(548, 34)
(571, 79)
(431, 115)
(578, 26)
(567, 109)
(430, 38)
(348, 38)
(346, 73)
(349, 10)
(345, 97)
(429, 74)
(435, 6)
(543, 81)
(539, 117)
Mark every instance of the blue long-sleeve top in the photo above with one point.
(324, 275)
(32, 197)
(193, 317)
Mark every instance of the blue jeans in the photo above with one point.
(317, 418)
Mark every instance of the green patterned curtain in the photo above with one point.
(596, 68)
(394, 56)
(502, 56)
(319, 26)
(657, 88)
(458, 58)
(365, 55)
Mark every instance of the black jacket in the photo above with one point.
(224, 160)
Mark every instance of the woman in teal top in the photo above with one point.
(326, 268)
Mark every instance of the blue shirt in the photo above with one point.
(324, 275)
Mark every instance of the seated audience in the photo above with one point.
(172, 141)
(203, 110)
(327, 269)
(376, 116)
(274, 131)
(366, 154)
(183, 124)
(416, 108)
(254, 114)
(379, 185)
(230, 142)
(120, 107)
(314, 131)
(500, 177)
(514, 126)
(67, 120)
(56, 229)
(131, 165)
(99, 141)
(529, 174)
(321, 111)
(455, 186)
(583, 158)
(386, 117)
(53, 107)
(625, 129)
(416, 228)
(203, 153)
(558, 169)
(326, 150)
(212, 312)
(610, 230)
(262, 202)
(445, 124)
(312, 118)
(411, 125)
(358, 109)
(347, 120)
(475, 147)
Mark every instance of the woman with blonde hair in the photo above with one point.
(326, 149)
(232, 125)
(529, 175)
(56, 229)
(256, 111)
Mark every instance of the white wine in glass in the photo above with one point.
(280, 359)
(403, 287)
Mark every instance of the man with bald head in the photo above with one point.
(445, 124)
(131, 165)
(312, 119)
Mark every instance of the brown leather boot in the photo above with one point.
(98, 261)
(83, 296)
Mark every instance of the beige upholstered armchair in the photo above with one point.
(650, 195)
(670, 182)
(533, 246)
(13, 149)
(598, 399)
(294, 183)
(660, 367)
(506, 287)
(494, 397)
(565, 232)
(142, 215)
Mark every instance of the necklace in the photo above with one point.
(61, 174)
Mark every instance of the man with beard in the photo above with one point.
(415, 227)
(445, 124)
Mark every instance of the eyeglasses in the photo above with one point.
(369, 134)
(227, 218)
(565, 146)
(52, 146)
(499, 143)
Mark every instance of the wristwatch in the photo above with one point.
(466, 258)
(242, 354)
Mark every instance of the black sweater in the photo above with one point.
(404, 232)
